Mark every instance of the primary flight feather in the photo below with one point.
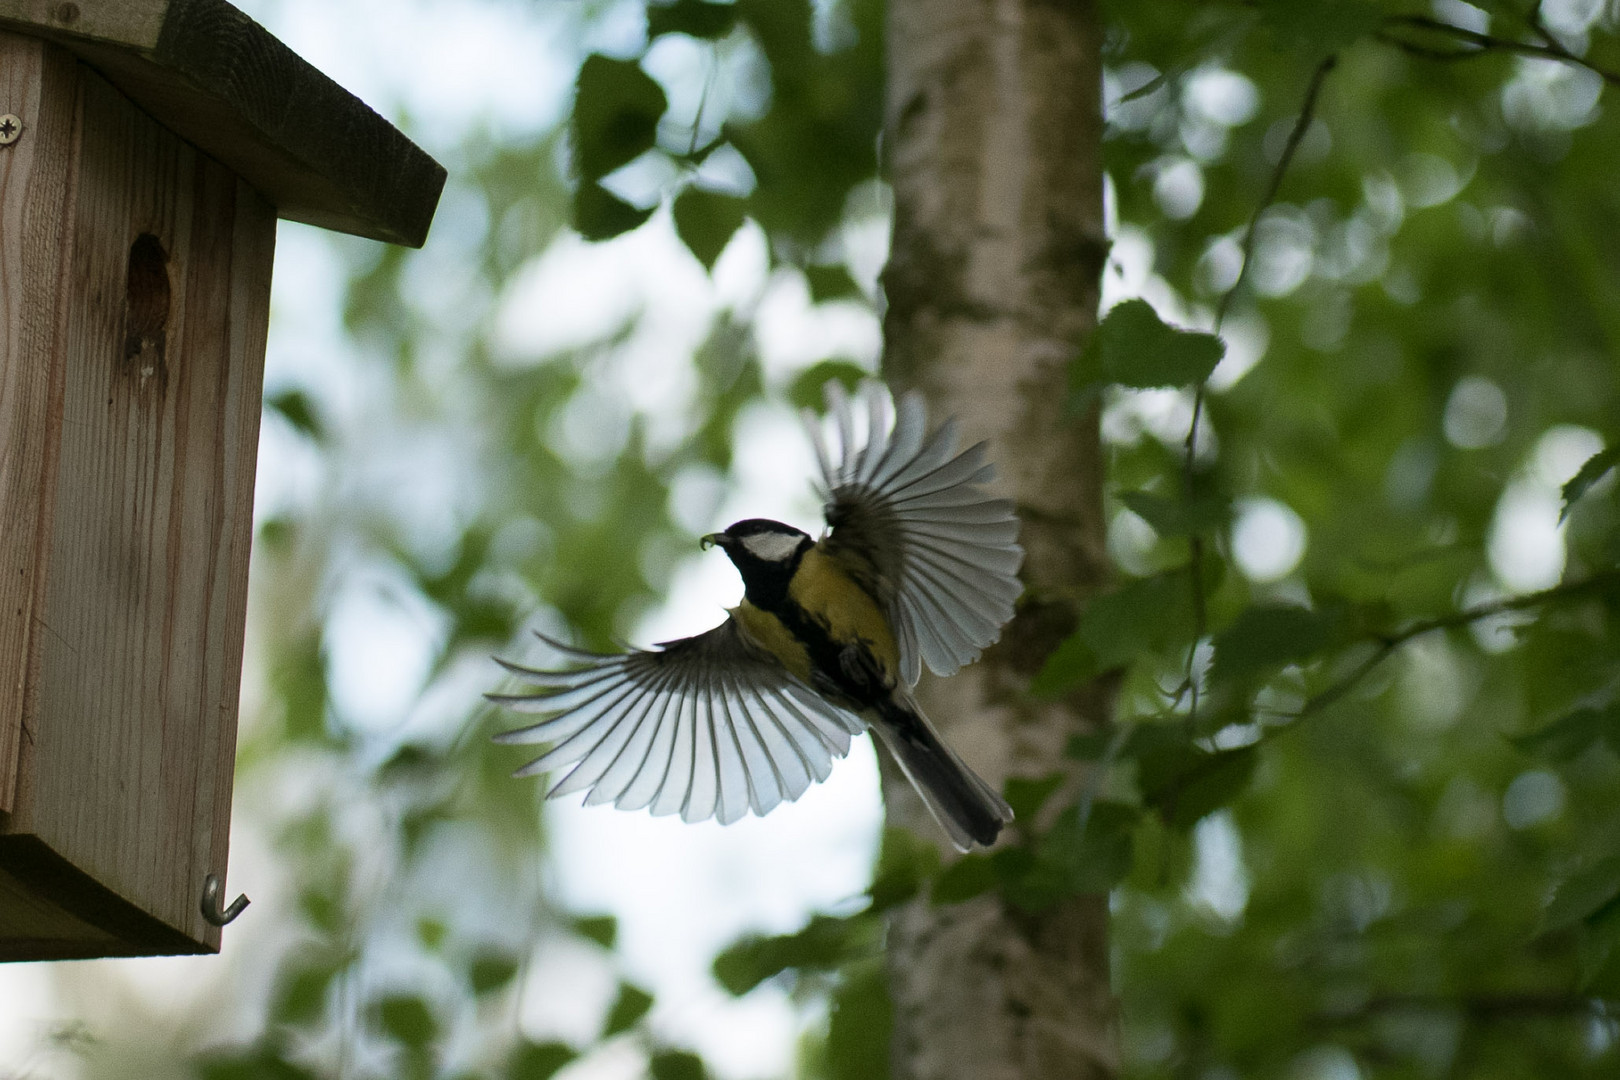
(918, 566)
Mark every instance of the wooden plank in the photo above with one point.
(51, 910)
(135, 23)
(38, 84)
(128, 778)
(222, 82)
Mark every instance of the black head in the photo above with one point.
(766, 553)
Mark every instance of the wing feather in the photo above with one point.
(913, 519)
(673, 792)
(642, 787)
(706, 726)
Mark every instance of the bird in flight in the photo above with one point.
(918, 566)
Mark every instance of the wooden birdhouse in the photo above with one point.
(147, 148)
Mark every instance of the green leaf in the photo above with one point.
(407, 1019)
(1072, 858)
(1568, 737)
(1599, 934)
(538, 1061)
(490, 970)
(1115, 629)
(416, 761)
(617, 107)
(1324, 26)
(1268, 636)
(602, 929)
(298, 409)
(1026, 796)
(300, 684)
(301, 989)
(676, 1065)
(695, 18)
(253, 1063)
(860, 1023)
(1184, 782)
(706, 221)
(1588, 474)
(807, 391)
(830, 282)
(825, 943)
(818, 138)
(905, 861)
(1094, 855)
(971, 875)
(601, 215)
(631, 1005)
(1133, 347)
(1583, 895)
(1179, 517)
(1088, 745)
(323, 905)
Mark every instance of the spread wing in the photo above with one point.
(908, 512)
(705, 726)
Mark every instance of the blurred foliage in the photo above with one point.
(1358, 812)
(1383, 830)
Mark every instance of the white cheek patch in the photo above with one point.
(771, 547)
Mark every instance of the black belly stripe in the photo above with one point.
(861, 682)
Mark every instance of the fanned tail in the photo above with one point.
(970, 811)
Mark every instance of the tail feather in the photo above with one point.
(970, 811)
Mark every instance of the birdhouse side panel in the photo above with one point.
(38, 86)
(129, 779)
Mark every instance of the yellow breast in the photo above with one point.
(831, 597)
(767, 631)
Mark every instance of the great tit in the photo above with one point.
(918, 565)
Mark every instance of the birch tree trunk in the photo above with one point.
(993, 130)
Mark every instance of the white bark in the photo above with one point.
(993, 130)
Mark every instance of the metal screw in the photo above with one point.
(10, 129)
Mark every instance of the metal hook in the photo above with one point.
(210, 903)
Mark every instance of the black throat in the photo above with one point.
(765, 584)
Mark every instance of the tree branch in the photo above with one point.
(1195, 543)
(1479, 44)
(1483, 1008)
(1387, 644)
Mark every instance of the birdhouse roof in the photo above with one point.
(220, 81)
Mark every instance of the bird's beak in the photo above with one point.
(714, 540)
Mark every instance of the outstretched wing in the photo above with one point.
(705, 726)
(938, 552)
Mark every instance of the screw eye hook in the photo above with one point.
(210, 903)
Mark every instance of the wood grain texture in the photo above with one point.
(127, 779)
(993, 129)
(51, 910)
(214, 76)
(135, 23)
(38, 84)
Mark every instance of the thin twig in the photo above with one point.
(1195, 543)
(1550, 49)
(1485, 1007)
(703, 100)
(1532, 19)
(1307, 113)
(1388, 644)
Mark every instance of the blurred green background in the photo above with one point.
(1384, 842)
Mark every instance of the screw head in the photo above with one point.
(11, 126)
